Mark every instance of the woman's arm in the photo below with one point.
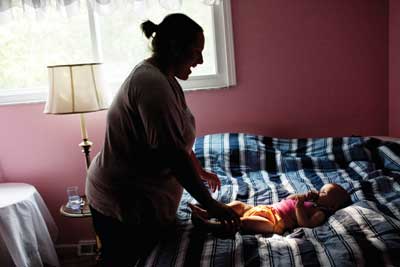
(184, 169)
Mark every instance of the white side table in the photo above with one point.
(27, 229)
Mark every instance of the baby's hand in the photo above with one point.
(301, 198)
(300, 201)
(312, 195)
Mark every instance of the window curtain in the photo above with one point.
(13, 9)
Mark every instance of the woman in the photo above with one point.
(135, 183)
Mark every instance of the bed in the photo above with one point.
(262, 170)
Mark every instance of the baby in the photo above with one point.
(298, 210)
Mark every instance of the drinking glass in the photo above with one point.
(74, 199)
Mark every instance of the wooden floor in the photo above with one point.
(70, 258)
(82, 261)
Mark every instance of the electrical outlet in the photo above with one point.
(87, 247)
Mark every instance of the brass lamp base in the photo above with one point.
(86, 145)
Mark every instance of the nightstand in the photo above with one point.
(83, 212)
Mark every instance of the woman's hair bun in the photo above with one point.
(148, 28)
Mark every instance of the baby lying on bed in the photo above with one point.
(298, 210)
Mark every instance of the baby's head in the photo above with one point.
(333, 197)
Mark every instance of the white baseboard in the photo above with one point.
(83, 248)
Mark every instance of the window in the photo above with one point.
(27, 46)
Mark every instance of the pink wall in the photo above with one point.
(394, 68)
(304, 69)
(43, 150)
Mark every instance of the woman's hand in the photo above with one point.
(226, 215)
(212, 179)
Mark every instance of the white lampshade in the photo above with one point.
(76, 88)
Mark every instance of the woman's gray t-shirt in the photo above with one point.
(149, 111)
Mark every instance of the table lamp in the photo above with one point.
(77, 88)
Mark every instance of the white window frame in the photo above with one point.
(225, 57)
(225, 61)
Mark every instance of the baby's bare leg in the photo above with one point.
(257, 224)
(239, 207)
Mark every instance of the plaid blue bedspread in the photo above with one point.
(263, 170)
